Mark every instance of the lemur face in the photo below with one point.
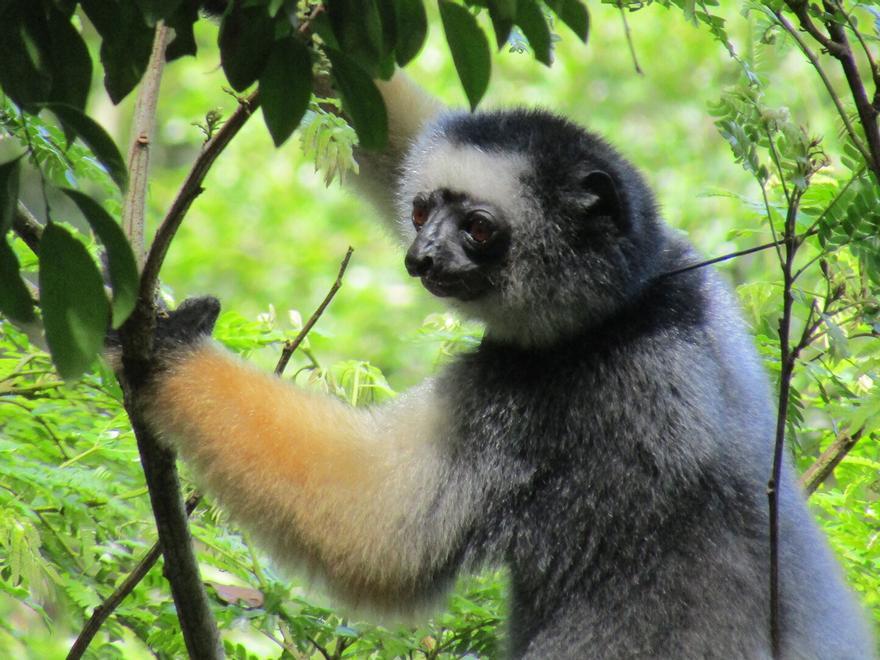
(525, 221)
(459, 245)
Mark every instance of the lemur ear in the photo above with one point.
(604, 199)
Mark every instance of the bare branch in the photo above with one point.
(291, 346)
(828, 460)
(738, 253)
(139, 151)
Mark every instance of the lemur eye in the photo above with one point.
(479, 226)
(419, 214)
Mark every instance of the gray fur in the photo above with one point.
(614, 431)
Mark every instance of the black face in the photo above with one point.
(459, 245)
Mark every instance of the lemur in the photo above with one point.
(608, 442)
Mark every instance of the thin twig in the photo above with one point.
(739, 253)
(828, 460)
(776, 161)
(103, 611)
(776, 240)
(191, 188)
(291, 346)
(629, 40)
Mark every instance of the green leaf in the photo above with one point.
(361, 99)
(503, 15)
(575, 15)
(184, 42)
(90, 132)
(531, 19)
(127, 41)
(285, 88)
(357, 26)
(120, 258)
(21, 78)
(470, 50)
(70, 62)
(412, 27)
(15, 300)
(9, 175)
(76, 312)
(245, 40)
(837, 340)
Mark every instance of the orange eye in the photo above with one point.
(419, 216)
(480, 227)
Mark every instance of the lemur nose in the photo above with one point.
(418, 263)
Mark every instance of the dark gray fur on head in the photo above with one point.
(580, 250)
(618, 428)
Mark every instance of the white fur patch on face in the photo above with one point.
(492, 177)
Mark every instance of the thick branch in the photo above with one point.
(801, 10)
(181, 568)
(837, 45)
(828, 460)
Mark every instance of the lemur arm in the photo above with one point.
(366, 498)
(409, 109)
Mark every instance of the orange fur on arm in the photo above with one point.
(351, 492)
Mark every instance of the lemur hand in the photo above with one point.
(193, 319)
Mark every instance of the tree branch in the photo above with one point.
(139, 151)
(191, 188)
(832, 93)
(181, 567)
(103, 611)
(291, 346)
(828, 460)
(27, 227)
(837, 45)
(867, 111)
(787, 362)
(801, 10)
(739, 253)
